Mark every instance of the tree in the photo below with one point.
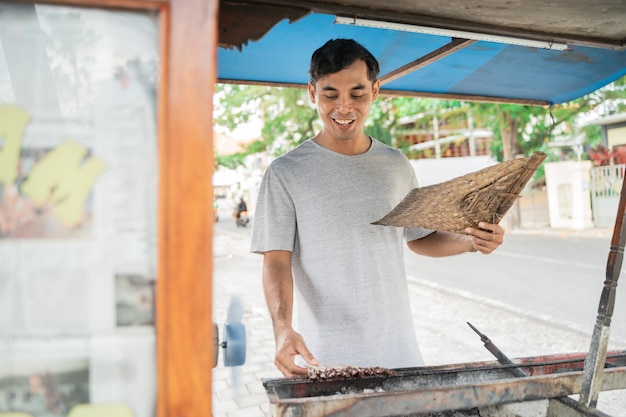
(524, 129)
(385, 121)
(289, 119)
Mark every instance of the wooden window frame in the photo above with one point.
(184, 323)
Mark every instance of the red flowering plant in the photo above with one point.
(602, 156)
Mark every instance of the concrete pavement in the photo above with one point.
(440, 316)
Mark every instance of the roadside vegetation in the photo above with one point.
(562, 131)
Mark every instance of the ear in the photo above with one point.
(375, 89)
(311, 89)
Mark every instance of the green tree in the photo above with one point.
(288, 118)
(522, 129)
(386, 118)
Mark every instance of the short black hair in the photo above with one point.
(337, 54)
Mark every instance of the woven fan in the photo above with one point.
(482, 196)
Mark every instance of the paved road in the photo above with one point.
(440, 314)
(558, 276)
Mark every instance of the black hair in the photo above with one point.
(337, 54)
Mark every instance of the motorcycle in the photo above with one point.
(241, 219)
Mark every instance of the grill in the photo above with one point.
(459, 390)
(449, 390)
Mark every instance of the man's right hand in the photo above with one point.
(290, 344)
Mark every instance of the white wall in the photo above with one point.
(435, 171)
(569, 202)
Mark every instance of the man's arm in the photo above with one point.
(278, 287)
(485, 240)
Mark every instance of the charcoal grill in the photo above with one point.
(457, 389)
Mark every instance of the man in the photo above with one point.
(313, 226)
(241, 215)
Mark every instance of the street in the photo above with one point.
(555, 277)
(538, 295)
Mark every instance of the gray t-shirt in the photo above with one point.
(351, 296)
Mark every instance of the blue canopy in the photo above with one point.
(481, 70)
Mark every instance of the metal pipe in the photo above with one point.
(500, 356)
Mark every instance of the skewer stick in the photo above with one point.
(500, 356)
(556, 404)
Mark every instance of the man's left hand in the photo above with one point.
(487, 238)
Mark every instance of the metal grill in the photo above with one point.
(450, 390)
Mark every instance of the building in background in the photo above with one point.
(444, 135)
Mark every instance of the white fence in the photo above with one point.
(605, 187)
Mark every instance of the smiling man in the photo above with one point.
(321, 254)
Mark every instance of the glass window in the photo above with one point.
(78, 183)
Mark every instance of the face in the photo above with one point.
(343, 101)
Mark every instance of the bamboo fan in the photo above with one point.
(482, 196)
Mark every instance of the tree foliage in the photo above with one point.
(522, 129)
(289, 119)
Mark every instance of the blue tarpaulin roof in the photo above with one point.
(483, 70)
